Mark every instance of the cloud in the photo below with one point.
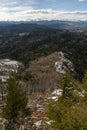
(16, 3)
(82, 0)
(42, 14)
(9, 6)
(24, 10)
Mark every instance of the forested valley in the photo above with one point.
(43, 77)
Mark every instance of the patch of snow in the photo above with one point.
(7, 66)
(57, 92)
(4, 78)
(38, 123)
(81, 94)
(9, 62)
(63, 64)
(55, 98)
(49, 122)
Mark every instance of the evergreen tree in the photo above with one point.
(16, 101)
(69, 112)
(67, 84)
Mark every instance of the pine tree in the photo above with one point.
(16, 101)
(69, 112)
(67, 84)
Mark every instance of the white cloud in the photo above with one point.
(41, 14)
(18, 10)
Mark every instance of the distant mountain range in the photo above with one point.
(66, 25)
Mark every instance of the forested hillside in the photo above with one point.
(41, 77)
(27, 42)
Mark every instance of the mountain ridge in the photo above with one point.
(55, 24)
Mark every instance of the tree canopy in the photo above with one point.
(16, 100)
(69, 112)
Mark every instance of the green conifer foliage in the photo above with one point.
(70, 112)
(16, 101)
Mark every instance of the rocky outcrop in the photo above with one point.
(63, 64)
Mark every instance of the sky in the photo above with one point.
(26, 10)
